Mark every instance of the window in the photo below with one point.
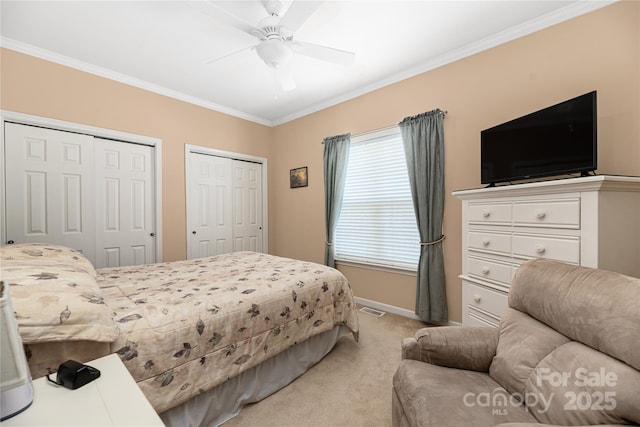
(377, 224)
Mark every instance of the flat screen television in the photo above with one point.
(557, 140)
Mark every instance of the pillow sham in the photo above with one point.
(54, 301)
(44, 251)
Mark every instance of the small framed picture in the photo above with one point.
(298, 177)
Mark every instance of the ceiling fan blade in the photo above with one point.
(284, 79)
(211, 61)
(222, 15)
(298, 13)
(324, 53)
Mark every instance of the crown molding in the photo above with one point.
(123, 78)
(568, 12)
(564, 14)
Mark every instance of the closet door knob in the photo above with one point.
(193, 232)
(152, 234)
(10, 242)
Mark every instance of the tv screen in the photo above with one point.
(556, 140)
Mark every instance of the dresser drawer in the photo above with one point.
(480, 213)
(560, 248)
(490, 270)
(490, 242)
(482, 306)
(562, 213)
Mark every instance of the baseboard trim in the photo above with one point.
(398, 310)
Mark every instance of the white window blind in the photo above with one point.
(377, 224)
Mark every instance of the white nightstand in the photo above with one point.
(114, 399)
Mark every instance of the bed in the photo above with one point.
(200, 337)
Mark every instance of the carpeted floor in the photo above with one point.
(350, 387)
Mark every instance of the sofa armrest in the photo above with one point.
(462, 347)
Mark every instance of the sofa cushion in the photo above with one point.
(523, 342)
(431, 395)
(577, 385)
(595, 307)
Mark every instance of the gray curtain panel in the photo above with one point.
(423, 140)
(336, 157)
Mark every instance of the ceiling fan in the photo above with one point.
(276, 45)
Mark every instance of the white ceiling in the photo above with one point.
(165, 46)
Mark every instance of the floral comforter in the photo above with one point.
(187, 326)
(181, 327)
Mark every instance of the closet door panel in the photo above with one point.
(247, 201)
(49, 191)
(36, 204)
(72, 203)
(225, 204)
(124, 204)
(210, 206)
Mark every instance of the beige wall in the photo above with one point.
(598, 51)
(41, 88)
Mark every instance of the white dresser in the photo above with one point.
(592, 221)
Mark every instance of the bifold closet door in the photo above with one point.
(125, 232)
(210, 205)
(49, 187)
(247, 206)
(225, 205)
(87, 193)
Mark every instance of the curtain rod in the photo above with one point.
(357, 135)
(384, 128)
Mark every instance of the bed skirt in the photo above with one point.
(215, 406)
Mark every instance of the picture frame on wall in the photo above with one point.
(298, 177)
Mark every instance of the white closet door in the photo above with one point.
(124, 204)
(49, 187)
(210, 205)
(247, 206)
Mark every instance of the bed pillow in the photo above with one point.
(54, 301)
(45, 251)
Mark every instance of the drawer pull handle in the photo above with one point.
(476, 298)
(540, 214)
(486, 214)
(540, 249)
(486, 242)
(485, 271)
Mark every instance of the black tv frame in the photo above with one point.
(532, 146)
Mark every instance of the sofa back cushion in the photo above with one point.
(523, 342)
(569, 345)
(595, 307)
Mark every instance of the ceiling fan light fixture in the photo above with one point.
(273, 7)
(275, 53)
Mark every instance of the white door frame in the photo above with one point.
(189, 148)
(27, 119)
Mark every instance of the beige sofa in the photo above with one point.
(567, 352)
